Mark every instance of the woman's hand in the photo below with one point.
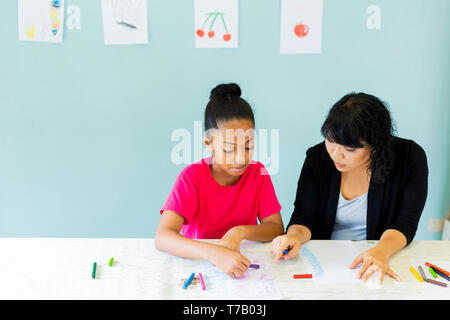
(373, 260)
(232, 239)
(229, 261)
(281, 243)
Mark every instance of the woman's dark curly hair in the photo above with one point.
(360, 117)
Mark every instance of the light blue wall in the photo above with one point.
(85, 128)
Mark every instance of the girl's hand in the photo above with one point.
(281, 243)
(373, 260)
(229, 261)
(232, 239)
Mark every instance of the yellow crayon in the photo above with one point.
(416, 274)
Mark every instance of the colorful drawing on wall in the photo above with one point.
(41, 20)
(301, 30)
(125, 21)
(301, 26)
(212, 16)
(216, 23)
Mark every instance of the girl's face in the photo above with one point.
(232, 145)
(347, 159)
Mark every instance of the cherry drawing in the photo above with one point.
(214, 15)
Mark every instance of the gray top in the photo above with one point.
(351, 219)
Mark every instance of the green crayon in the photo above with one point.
(93, 270)
(432, 272)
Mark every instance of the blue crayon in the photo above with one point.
(56, 3)
(188, 281)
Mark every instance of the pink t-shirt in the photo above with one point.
(210, 209)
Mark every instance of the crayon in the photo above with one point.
(431, 270)
(188, 281)
(202, 283)
(437, 268)
(111, 262)
(414, 272)
(422, 273)
(302, 276)
(443, 275)
(254, 266)
(436, 282)
(94, 268)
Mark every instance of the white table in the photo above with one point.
(61, 268)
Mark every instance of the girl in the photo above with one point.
(360, 183)
(222, 196)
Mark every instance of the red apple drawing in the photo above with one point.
(226, 37)
(211, 34)
(200, 33)
(301, 30)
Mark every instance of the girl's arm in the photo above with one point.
(269, 228)
(169, 239)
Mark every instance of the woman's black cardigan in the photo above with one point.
(395, 204)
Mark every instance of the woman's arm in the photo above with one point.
(401, 232)
(377, 258)
(294, 238)
(306, 207)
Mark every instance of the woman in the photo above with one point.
(361, 183)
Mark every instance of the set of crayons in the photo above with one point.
(189, 280)
(434, 271)
(202, 282)
(94, 267)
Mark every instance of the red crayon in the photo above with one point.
(302, 276)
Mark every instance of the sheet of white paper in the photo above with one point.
(301, 26)
(39, 20)
(216, 23)
(328, 261)
(125, 21)
(255, 284)
(429, 286)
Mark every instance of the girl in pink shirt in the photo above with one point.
(223, 196)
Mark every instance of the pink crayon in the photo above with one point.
(202, 283)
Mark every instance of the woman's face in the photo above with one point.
(347, 159)
(232, 145)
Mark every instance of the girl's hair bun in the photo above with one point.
(225, 91)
